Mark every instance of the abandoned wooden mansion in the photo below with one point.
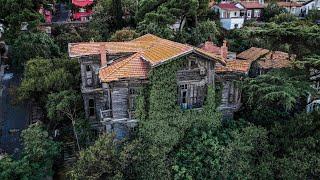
(112, 72)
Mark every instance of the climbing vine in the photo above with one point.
(162, 122)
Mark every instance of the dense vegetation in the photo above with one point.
(271, 137)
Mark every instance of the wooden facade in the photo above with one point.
(110, 106)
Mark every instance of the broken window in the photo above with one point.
(92, 111)
(88, 75)
(133, 93)
(190, 96)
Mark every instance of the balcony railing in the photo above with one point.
(105, 115)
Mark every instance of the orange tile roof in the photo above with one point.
(261, 56)
(149, 50)
(289, 4)
(252, 5)
(234, 65)
(279, 60)
(132, 67)
(252, 54)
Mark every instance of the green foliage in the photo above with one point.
(39, 154)
(100, 161)
(31, 45)
(271, 10)
(163, 124)
(45, 76)
(14, 12)
(272, 97)
(156, 22)
(204, 31)
(300, 38)
(124, 35)
(313, 15)
(63, 104)
(240, 151)
(283, 17)
(296, 144)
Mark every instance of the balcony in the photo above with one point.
(105, 115)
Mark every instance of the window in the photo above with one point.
(88, 75)
(193, 64)
(88, 68)
(92, 111)
(257, 13)
(235, 13)
(241, 13)
(190, 96)
(231, 92)
(133, 93)
(249, 14)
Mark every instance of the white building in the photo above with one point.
(310, 5)
(291, 7)
(230, 15)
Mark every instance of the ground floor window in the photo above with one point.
(190, 96)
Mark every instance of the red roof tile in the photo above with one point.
(252, 54)
(132, 67)
(289, 4)
(149, 50)
(252, 5)
(228, 6)
(276, 59)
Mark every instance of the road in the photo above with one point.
(13, 118)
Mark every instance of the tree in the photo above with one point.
(274, 96)
(45, 76)
(300, 38)
(38, 156)
(31, 45)
(15, 12)
(313, 15)
(100, 161)
(65, 104)
(271, 10)
(283, 17)
(297, 147)
(125, 34)
(239, 150)
(204, 31)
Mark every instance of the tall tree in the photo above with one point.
(38, 156)
(99, 161)
(65, 104)
(274, 96)
(31, 45)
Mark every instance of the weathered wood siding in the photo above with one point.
(119, 98)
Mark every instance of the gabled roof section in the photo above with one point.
(132, 67)
(153, 49)
(235, 65)
(276, 59)
(148, 51)
(252, 5)
(228, 6)
(289, 4)
(252, 54)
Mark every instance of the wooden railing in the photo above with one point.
(105, 115)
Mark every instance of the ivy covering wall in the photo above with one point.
(163, 123)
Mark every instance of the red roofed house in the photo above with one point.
(291, 7)
(112, 73)
(83, 9)
(253, 9)
(230, 15)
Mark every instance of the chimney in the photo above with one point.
(103, 54)
(224, 50)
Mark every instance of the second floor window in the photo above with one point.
(257, 13)
(92, 109)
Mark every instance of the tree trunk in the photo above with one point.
(75, 134)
